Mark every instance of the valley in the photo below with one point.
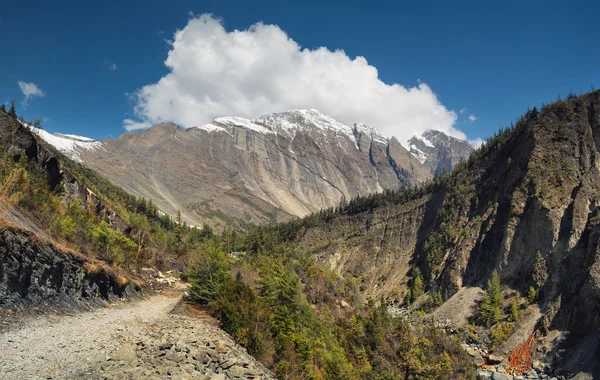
(484, 270)
(229, 190)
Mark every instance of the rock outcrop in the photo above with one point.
(34, 272)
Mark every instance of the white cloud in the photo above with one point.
(133, 125)
(111, 65)
(476, 143)
(472, 117)
(261, 70)
(30, 90)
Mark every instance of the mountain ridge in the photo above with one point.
(330, 161)
(239, 171)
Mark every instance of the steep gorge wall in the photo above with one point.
(534, 189)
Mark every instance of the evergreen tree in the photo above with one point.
(490, 311)
(515, 307)
(539, 269)
(531, 295)
(416, 286)
(12, 112)
(178, 232)
(209, 273)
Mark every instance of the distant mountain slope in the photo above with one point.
(234, 170)
(438, 152)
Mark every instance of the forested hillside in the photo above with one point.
(524, 206)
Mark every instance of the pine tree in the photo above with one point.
(178, 232)
(515, 307)
(416, 286)
(539, 269)
(531, 295)
(12, 112)
(490, 311)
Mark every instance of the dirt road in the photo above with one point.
(140, 339)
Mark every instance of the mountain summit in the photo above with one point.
(438, 152)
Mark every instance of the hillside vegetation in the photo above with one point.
(79, 211)
(302, 321)
(523, 206)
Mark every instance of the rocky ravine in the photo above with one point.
(137, 340)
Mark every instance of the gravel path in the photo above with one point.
(141, 339)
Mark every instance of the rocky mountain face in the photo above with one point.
(526, 205)
(438, 152)
(235, 171)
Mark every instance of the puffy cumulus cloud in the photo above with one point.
(30, 90)
(248, 73)
(472, 117)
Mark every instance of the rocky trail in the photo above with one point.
(132, 340)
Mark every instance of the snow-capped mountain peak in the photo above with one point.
(437, 151)
(292, 121)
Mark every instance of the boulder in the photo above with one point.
(125, 353)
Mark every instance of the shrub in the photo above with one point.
(65, 227)
(208, 273)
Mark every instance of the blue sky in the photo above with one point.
(491, 59)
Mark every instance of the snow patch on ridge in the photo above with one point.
(290, 122)
(67, 144)
(425, 141)
(418, 153)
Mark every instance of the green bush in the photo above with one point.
(116, 247)
(208, 273)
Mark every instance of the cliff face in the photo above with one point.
(235, 171)
(525, 205)
(34, 272)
